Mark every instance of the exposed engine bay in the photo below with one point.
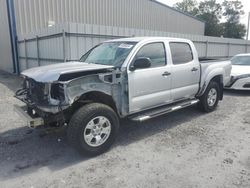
(56, 101)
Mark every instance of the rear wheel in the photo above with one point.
(209, 100)
(93, 129)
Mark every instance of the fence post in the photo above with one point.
(25, 53)
(228, 49)
(18, 57)
(246, 48)
(207, 48)
(37, 49)
(64, 45)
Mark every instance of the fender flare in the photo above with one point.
(218, 72)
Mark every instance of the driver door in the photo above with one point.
(150, 87)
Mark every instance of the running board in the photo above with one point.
(162, 110)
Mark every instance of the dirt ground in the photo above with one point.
(183, 149)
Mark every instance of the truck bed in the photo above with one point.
(212, 65)
(211, 60)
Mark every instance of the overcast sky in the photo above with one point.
(246, 4)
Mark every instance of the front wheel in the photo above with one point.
(209, 100)
(93, 129)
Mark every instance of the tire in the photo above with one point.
(207, 105)
(82, 131)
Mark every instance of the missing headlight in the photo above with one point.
(57, 91)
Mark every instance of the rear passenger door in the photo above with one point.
(185, 71)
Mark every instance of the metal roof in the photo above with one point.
(162, 4)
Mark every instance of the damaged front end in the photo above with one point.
(55, 102)
(43, 100)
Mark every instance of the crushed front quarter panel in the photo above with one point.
(112, 84)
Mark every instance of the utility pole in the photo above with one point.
(248, 25)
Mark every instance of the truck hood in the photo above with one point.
(238, 70)
(51, 73)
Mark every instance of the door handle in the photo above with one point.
(194, 69)
(166, 73)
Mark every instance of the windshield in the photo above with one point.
(110, 53)
(241, 60)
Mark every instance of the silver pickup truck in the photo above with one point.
(134, 78)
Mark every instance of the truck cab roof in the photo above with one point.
(147, 39)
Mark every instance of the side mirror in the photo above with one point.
(141, 63)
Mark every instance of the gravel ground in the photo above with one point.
(186, 148)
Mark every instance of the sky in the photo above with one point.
(244, 18)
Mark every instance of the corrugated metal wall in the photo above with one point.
(32, 15)
(5, 45)
(65, 42)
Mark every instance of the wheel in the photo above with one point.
(209, 100)
(93, 129)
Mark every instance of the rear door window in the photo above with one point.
(181, 52)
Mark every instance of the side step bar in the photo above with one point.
(162, 110)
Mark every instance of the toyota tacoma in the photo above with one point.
(133, 78)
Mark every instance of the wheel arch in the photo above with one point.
(96, 97)
(215, 78)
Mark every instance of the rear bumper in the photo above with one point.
(32, 122)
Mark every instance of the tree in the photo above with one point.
(187, 6)
(211, 12)
(232, 12)
(232, 30)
